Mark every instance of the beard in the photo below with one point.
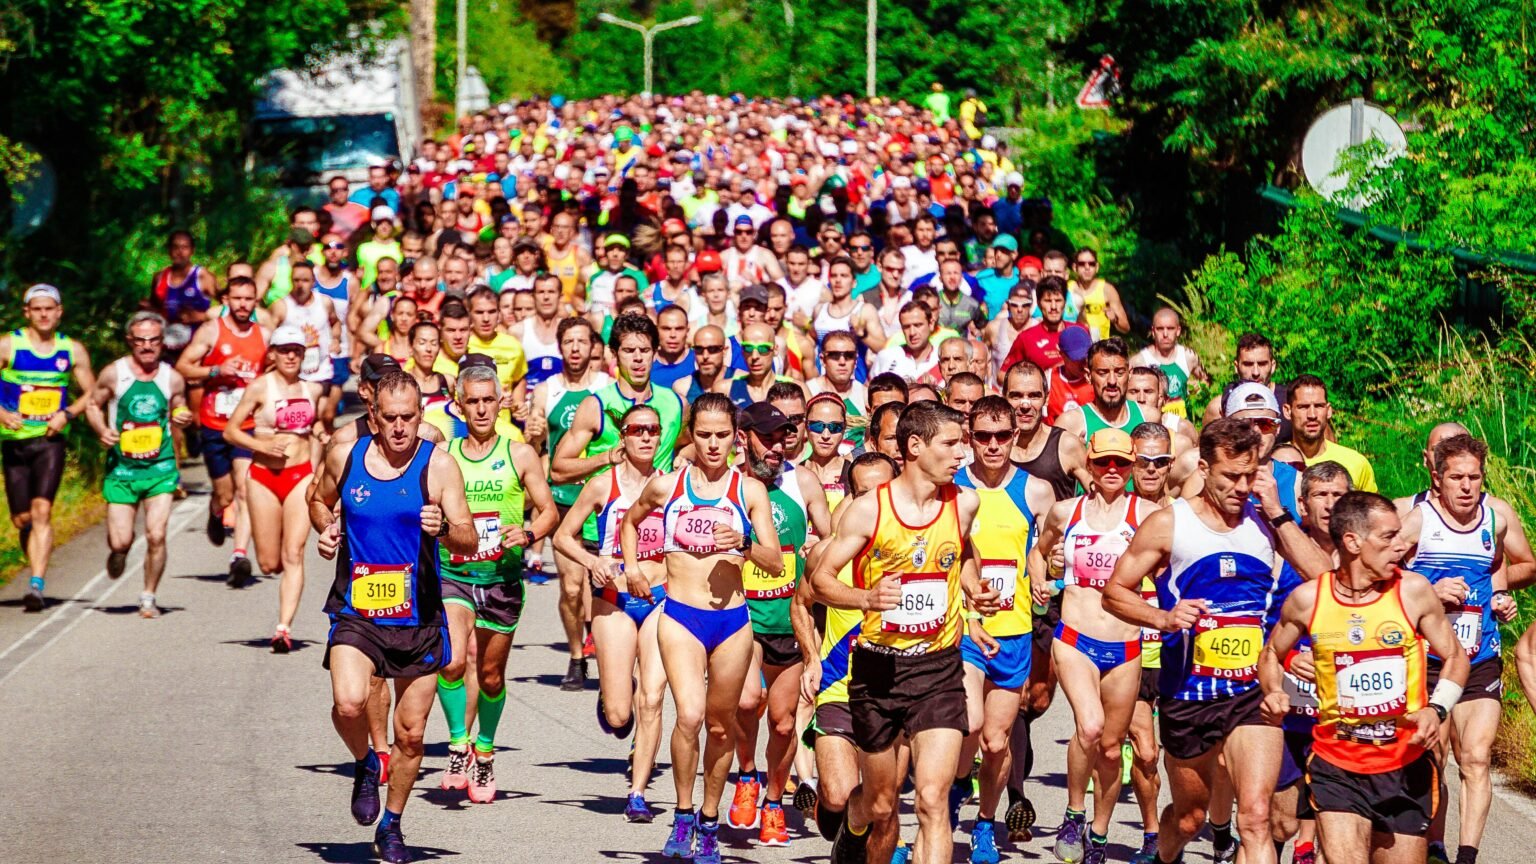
(762, 469)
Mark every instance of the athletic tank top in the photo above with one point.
(495, 493)
(1093, 421)
(664, 374)
(35, 385)
(437, 397)
(1047, 466)
(240, 358)
(1303, 694)
(387, 572)
(926, 560)
(141, 417)
(1095, 308)
(769, 597)
(1177, 368)
(1446, 553)
(292, 414)
(688, 521)
(1090, 554)
(339, 294)
(312, 320)
(566, 266)
(668, 406)
(838, 633)
(1234, 573)
(825, 322)
(543, 356)
(1370, 680)
(1003, 533)
(608, 519)
(560, 407)
(187, 294)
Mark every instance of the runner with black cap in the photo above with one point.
(36, 365)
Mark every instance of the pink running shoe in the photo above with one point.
(456, 776)
(482, 781)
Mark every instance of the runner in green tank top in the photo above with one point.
(142, 397)
(484, 590)
(799, 504)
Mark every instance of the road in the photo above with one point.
(183, 739)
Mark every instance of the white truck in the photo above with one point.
(358, 110)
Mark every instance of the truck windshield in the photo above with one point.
(302, 149)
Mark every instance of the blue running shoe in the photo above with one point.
(1147, 854)
(902, 853)
(1097, 853)
(389, 846)
(984, 844)
(959, 793)
(365, 790)
(1070, 838)
(680, 844)
(708, 851)
(636, 810)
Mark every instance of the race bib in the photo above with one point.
(39, 403)
(651, 530)
(1303, 696)
(293, 415)
(757, 584)
(1373, 684)
(488, 529)
(1003, 577)
(382, 591)
(1150, 634)
(1468, 624)
(224, 401)
(695, 529)
(924, 602)
(140, 440)
(1094, 559)
(1227, 647)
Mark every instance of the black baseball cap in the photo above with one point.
(763, 418)
(375, 366)
(469, 361)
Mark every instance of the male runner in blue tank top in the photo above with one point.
(399, 498)
(1215, 563)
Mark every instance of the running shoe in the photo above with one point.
(847, 847)
(708, 849)
(383, 767)
(620, 732)
(282, 641)
(1097, 853)
(984, 843)
(636, 810)
(32, 601)
(117, 562)
(1070, 838)
(239, 571)
(217, 533)
(147, 607)
(1147, 854)
(456, 775)
(1308, 857)
(575, 676)
(1019, 819)
(774, 832)
(680, 844)
(365, 794)
(1225, 854)
(959, 793)
(389, 846)
(902, 853)
(744, 814)
(806, 799)
(482, 781)
(1437, 854)
(588, 648)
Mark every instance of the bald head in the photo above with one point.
(757, 333)
(1442, 431)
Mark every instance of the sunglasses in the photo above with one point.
(708, 349)
(840, 355)
(146, 340)
(1162, 461)
(1013, 305)
(1264, 424)
(342, 246)
(1086, 263)
(1111, 462)
(819, 427)
(639, 429)
(795, 419)
(862, 248)
(757, 347)
(1001, 436)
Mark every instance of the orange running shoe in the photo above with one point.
(774, 832)
(743, 814)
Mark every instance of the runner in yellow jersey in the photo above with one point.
(914, 563)
(1011, 503)
(1102, 308)
(824, 682)
(1373, 777)
(567, 259)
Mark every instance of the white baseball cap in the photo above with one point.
(42, 289)
(1251, 396)
(382, 212)
(901, 182)
(287, 334)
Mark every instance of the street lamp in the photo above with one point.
(648, 34)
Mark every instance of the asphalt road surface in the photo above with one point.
(184, 739)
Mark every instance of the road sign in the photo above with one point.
(1336, 131)
(1103, 82)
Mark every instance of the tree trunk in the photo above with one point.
(424, 56)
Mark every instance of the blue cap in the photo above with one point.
(493, 177)
(923, 185)
(744, 220)
(1074, 343)
(1005, 241)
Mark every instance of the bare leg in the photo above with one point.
(648, 704)
(295, 515)
(413, 703)
(157, 516)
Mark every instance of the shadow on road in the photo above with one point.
(347, 853)
(458, 799)
(48, 603)
(133, 609)
(551, 679)
(266, 644)
(606, 766)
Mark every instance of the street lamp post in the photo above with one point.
(869, 47)
(648, 34)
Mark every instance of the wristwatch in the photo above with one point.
(1439, 711)
(442, 530)
(746, 543)
(1277, 521)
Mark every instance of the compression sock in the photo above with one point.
(388, 820)
(490, 717)
(1466, 855)
(1221, 835)
(455, 704)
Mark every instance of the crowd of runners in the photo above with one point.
(825, 432)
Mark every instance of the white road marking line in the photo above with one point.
(178, 522)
